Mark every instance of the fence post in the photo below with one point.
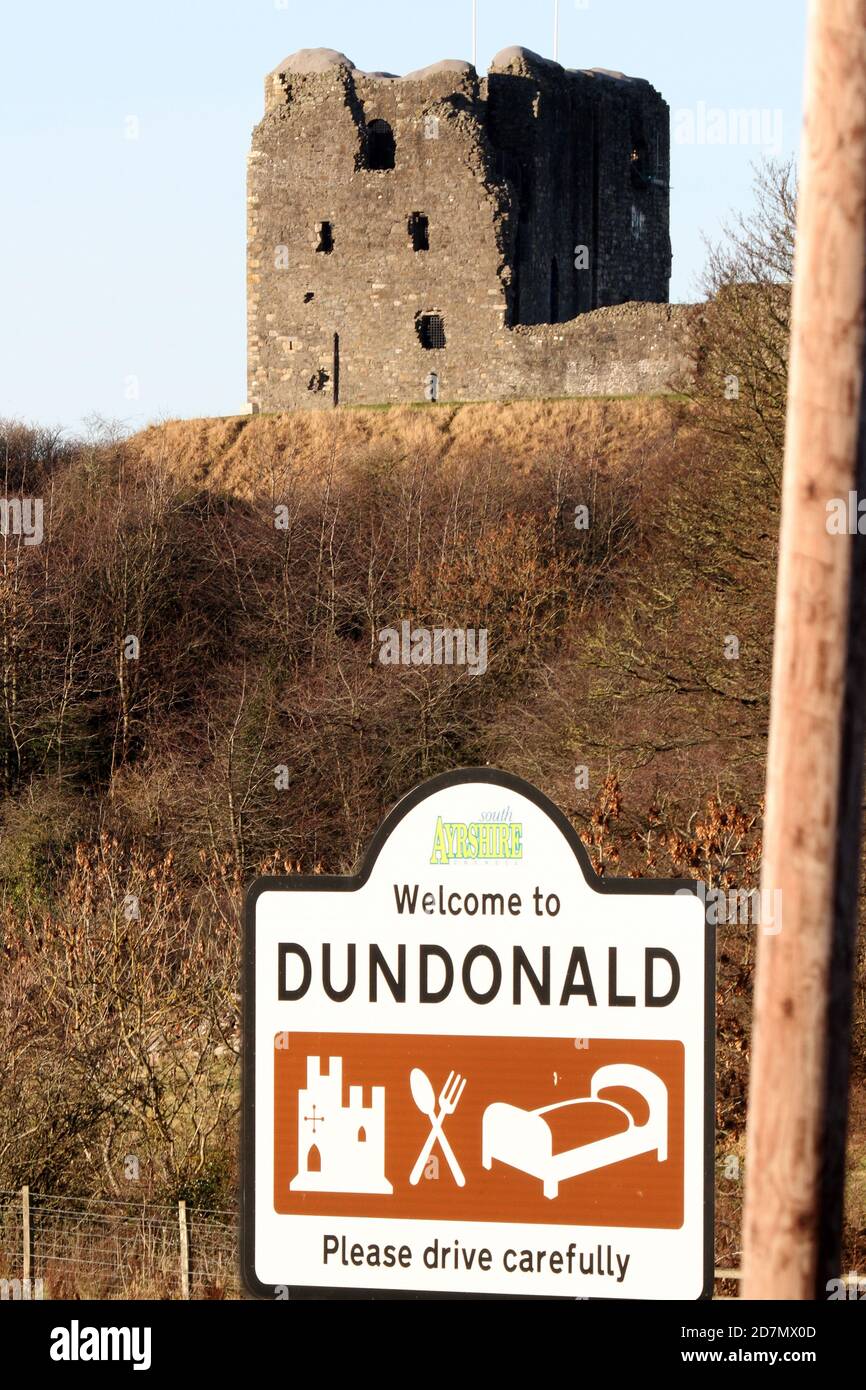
(184, 1250)
(25, 1235)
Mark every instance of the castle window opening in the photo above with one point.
(419, 231)
(309, 297)
(324, 238)
(319, 381)
(431, 331)
(362, 1135)
(381, 146)
(314, 1160)
(639, 162)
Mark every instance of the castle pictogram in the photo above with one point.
(341, 1148)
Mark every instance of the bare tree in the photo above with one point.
(742, 340)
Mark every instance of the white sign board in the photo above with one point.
(476, 1068)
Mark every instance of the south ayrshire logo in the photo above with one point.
(494, 836)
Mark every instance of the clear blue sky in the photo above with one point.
(122, 260)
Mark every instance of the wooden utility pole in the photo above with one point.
(801, 1041)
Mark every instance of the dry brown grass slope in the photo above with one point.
(239, 453)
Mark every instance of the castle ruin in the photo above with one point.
(449, 236)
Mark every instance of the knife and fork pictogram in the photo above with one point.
(425, 1098)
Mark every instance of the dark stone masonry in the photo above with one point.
(449, 236)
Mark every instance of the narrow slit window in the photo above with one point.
(431, 331)
(639, 160)
(324, 238)
(419, 231)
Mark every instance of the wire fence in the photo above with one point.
(81, 1247)
(84, 1247)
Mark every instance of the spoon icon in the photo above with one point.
(425, 1099)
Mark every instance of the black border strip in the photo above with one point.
(350, 883)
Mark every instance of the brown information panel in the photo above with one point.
(581, 1131)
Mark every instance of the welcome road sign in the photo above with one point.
(476, 1069)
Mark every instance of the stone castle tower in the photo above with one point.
(445, 235)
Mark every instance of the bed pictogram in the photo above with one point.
(542, 1143)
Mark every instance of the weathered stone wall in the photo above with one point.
(510, 173)
(630, 349)
(568, 143)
